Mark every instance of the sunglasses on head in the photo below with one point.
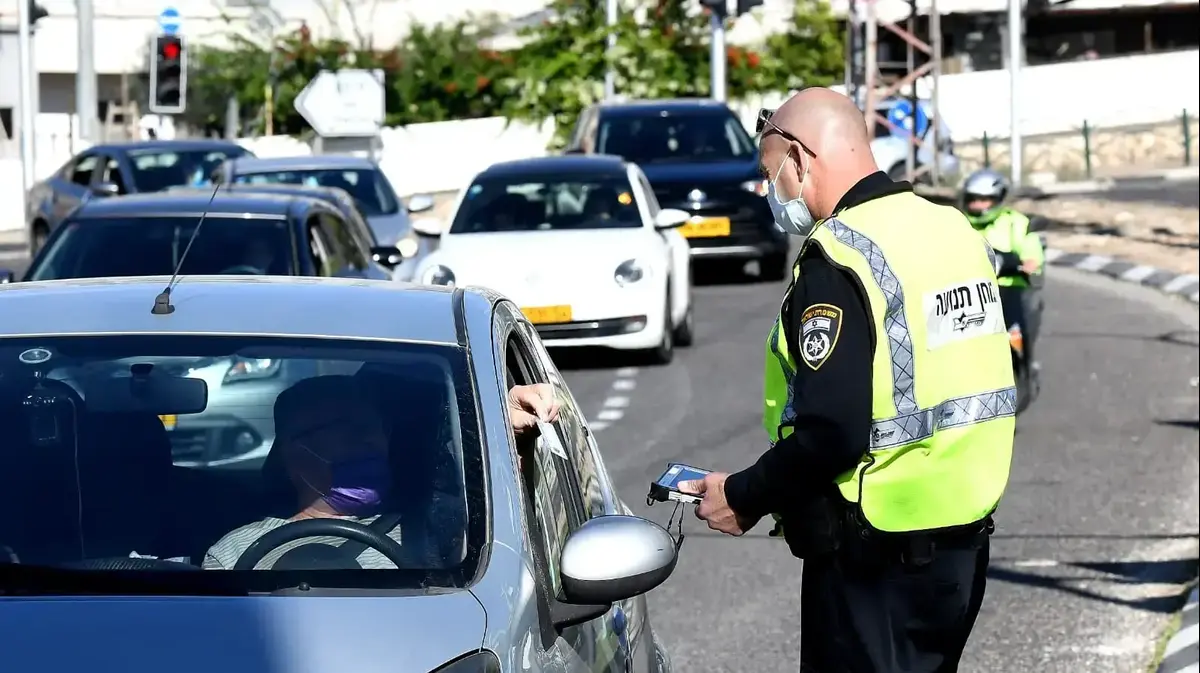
(764, 124)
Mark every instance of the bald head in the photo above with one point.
(816, 143)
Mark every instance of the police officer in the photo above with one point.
(1022, 255)
(889, 402)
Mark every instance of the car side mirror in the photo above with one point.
(106, 189)
(610, 559)
(420, 203)
(7, 276)
(427, 227)
(670, 218)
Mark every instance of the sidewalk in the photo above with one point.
(1183, 650)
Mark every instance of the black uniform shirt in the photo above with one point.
(831, 391)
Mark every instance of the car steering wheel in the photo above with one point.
(341, 528)
(243, 269)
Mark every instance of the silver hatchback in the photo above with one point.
(487, 554)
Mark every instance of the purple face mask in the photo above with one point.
(358, 487)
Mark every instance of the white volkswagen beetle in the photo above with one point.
(580, 244)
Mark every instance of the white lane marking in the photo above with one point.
(12, 255)
(1053, 254)
(1138, 273)
(1179, 282)
(1187, 637)
(1036, 563)
(1093, 262)
(614, 406)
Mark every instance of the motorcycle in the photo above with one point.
(1021, 306)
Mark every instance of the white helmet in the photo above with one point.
(984, 184)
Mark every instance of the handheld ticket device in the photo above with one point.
(666, 487)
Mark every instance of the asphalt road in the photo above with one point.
(1098, 527)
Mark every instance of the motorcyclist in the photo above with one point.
(1021, 253)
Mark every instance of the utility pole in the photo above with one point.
(877, 90)
(610, 75)
(1016, 54)
(25, 56)
(86, 105)
(717, 56)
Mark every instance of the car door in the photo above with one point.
(617, 635)
(75, 185)
(679, 250)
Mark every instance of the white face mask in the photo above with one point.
(793, 217)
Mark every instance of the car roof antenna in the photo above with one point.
(162, 303)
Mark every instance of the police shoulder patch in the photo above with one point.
(820, 326)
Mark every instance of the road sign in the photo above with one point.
(343, 103)
(168, 20)
(900, 114)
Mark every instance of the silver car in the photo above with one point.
(504, 564)
(387, 214)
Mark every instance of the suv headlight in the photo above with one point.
(477, 662)
(628, 272)
(247, 369)
(438, 275)
(758, 187)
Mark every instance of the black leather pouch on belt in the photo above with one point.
(814, 528)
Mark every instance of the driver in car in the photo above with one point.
(335, 449)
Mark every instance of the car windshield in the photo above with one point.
(369, 187)
(539, 203)
(152, 246)
(159, 170)
(145, 454)
(676, 137)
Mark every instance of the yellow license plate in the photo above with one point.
(168, 421)
(540, 315)
(705, 227)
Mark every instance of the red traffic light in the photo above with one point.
(171, 50)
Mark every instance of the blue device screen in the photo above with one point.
(678, 472)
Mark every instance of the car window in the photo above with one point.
(544, 203)
(215, 456)
(158, 170)
(112, 174)
(369, 187)
(344, 249)
(319, 248)
(151, 246)
(81, 171)
(690, 136)
(572, 432)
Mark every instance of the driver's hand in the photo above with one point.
(529, 404)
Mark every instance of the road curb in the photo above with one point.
(1182, 653)
(1184, 285)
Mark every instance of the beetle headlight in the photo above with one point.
(758, 187)
(438, 274)
(407, 247)
(628, 272)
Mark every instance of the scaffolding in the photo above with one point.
(868, 87)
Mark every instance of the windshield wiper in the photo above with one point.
(35, 580)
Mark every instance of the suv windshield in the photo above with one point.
(147, 454)
(152, 246)
(369, 188)
(159, 170)
(529, 203)
(699, 136)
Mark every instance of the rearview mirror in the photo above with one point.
(145, 392)
(420, 203)
(427, 227)
(106, 189)
(614, 558)
(669, 218)
(7, 276)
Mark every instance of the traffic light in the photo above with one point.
(168, 75)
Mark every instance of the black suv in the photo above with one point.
(698, 158)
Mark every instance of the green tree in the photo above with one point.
(811, 52)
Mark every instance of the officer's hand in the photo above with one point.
(1030, 266)
(714, 508)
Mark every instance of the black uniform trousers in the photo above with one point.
(871, 607)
